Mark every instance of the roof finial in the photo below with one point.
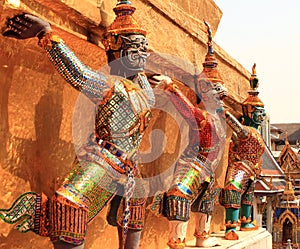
(286, 138)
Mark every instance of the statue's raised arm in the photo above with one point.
(77, 74)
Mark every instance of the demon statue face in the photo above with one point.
(133, 52)
(211, 93)
(258, 115)
(125, 42)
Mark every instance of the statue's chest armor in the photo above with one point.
(119, 118)
(117, 115)
(252, 148)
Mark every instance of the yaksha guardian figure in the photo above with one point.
(244, 162)
(194, 170)
(108, 159)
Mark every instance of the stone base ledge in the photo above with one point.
(260, 238)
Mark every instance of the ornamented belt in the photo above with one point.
(121, 155)
(113, 149)
(130, 184)
(205, 162)
(193, 152)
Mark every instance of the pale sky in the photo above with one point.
(266, 32)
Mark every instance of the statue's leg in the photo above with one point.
(232, 219)
(203, 213)
(37, 214)
(177, 234)
(231, 200)
(247, 203)
(114, 207)
(237, 179)
(68, 221)
(131, 215)
(132, 240)
(85, 191)
(58, 218)
(177, 210)
(202, 231)
(65, 216)
(178, 213)
(188, 184)
(177, 221)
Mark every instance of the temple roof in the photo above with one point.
(293, 129)
(262, 187)
(270, 167)
(271, 178)
(288, 158)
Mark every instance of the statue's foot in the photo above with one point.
(23, 209)
(176, 244)
(30, 211)
(208, 242)
(249, 226)
(231, 235)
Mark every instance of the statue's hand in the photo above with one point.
(170, 88)
(159, 81)
(24, 26)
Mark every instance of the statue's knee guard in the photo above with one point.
(136, 218)
(230, 198)
(177, 208)
(248, 199)
(205, 203)
(68, 220)
(248, 196)
(237, 182)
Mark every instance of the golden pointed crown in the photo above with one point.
(253, 98)
(124, 23)
(210, 71)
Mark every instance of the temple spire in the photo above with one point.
(287, 138)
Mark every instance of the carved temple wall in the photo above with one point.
(37, 106)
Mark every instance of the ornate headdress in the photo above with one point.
(253, 99)
(210, 71)
(124, 23)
